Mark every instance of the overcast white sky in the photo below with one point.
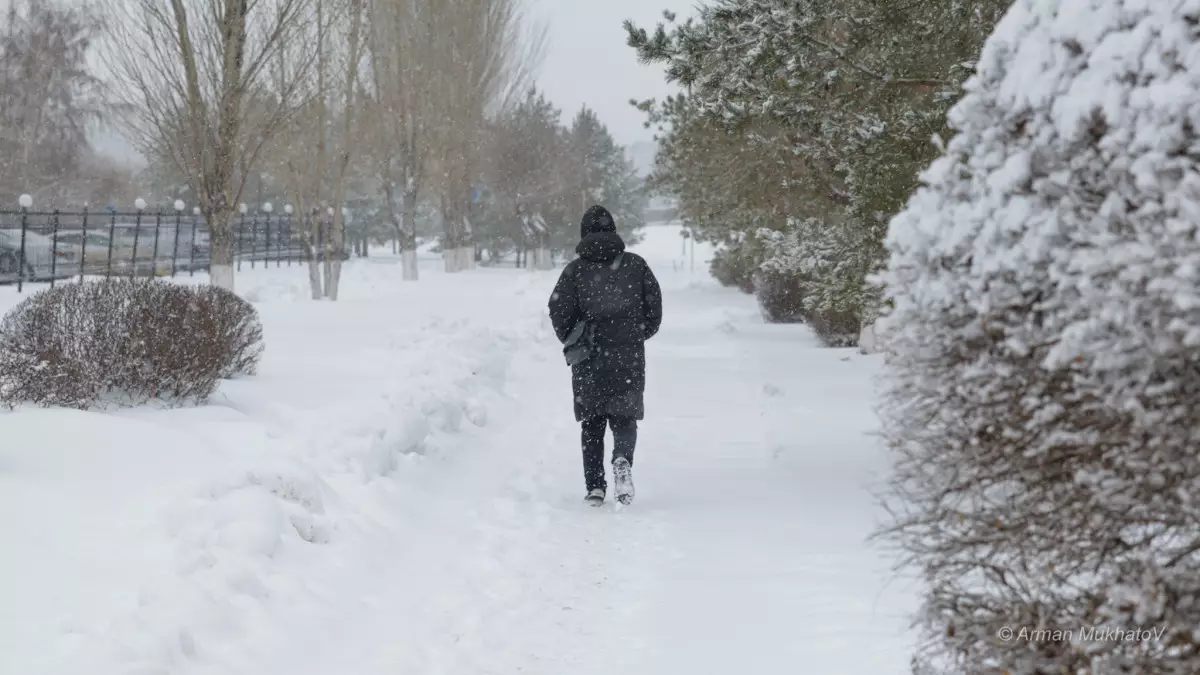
(587, 61)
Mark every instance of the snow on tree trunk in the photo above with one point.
(459, 258)
(312, 246)
(221, 276)
(866, 338)
(1041, 392)
(221, 247)
(408, 260)
(408, 236)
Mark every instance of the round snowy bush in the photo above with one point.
(780, 296)
(1042, 396)
(236, 322)
(124, 342)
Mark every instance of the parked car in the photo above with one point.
(156, 247)
(40, 256)
(90, 250)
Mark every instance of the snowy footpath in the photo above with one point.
(399, 491)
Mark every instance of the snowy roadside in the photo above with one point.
(143, 540)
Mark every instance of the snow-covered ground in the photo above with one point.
(400, 491)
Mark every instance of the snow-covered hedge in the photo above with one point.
(1042, 396)
(124, 342)
(735, 266)
(780, 297)
(826, 264)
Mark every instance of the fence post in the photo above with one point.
(112, 235)
(178, 224)
(241, 237)
(54, 249)
(26, 202)
(320, 240)
(137, 230)
(279, 225)
(269, 208)
(287, 209)
(192, 261)
(83, 245)
(157, 231)
(253, 238)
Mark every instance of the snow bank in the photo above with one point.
(142, 541)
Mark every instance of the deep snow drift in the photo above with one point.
(400, 491)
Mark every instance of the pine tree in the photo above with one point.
(524, 176)
(1042, 383)
(599, 172)
(48, 98)
(836, 102)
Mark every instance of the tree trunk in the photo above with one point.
(312, 246)
(458, 251)
(408, 238)
(333, 268)
(330, 272)
(316, 241)
(220, 229)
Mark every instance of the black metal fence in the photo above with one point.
(58, 245)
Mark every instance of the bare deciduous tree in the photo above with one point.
(402, 44)
(48, 97)
(336, 243)
(316, 149)
(194, 80)
(486, 57)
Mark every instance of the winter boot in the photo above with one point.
(623, 480)
(595, 497)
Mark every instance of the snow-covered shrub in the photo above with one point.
(780, 296)
(735, 266)
(835, 257)
(832, 259)
(239, 327)
(1042, 396)
(835, 329)
(121, 342)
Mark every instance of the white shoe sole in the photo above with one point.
(623, 480)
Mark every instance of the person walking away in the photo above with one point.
(605, 306)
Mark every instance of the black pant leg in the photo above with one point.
(624, 437)
(593, 453)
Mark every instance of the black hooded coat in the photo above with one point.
(625, 306)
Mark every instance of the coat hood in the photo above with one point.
(596, 219)
(600, 246)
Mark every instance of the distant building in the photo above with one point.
(662, 209)
(642, 155)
